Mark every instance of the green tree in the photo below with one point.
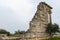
(55, 28)
(2, 31)
(51, 29)
(19, 32)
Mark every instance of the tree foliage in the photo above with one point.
(2, 31)
(19, 32)
(52, 29)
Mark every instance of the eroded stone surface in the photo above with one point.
(39, 22)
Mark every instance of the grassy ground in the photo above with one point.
(53, 38)
(16, 35)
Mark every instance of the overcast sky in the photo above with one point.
(16, 14)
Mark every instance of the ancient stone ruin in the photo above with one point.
(39, 23)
